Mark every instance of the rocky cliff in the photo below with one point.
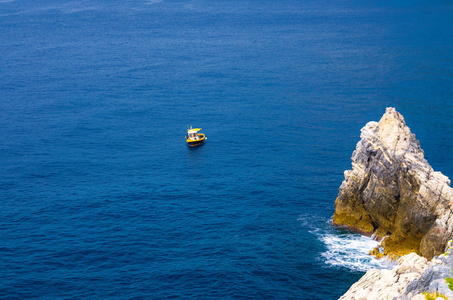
(393, 192)
(413, 278)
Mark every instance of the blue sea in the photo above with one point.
(101, 198)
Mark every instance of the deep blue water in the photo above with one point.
(99, 195)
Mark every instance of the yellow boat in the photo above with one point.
(194, 138)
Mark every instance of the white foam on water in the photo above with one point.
(343, 248)
(351, 251)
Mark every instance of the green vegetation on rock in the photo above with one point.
(433, 296)
(449, 280)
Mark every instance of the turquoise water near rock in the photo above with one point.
(100, 196)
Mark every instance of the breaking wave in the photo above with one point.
(342, 247)
(351, 250)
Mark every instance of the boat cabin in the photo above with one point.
(192, 134)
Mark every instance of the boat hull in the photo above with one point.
(198, 142)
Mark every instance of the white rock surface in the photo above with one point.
(412, 276)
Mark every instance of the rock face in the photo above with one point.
(393, 192)
(412, 276)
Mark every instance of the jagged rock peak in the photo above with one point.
(392, 191)
(393, 132)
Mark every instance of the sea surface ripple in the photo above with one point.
(102, 199)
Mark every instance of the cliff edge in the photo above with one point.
(413, 278)
(394, 193)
